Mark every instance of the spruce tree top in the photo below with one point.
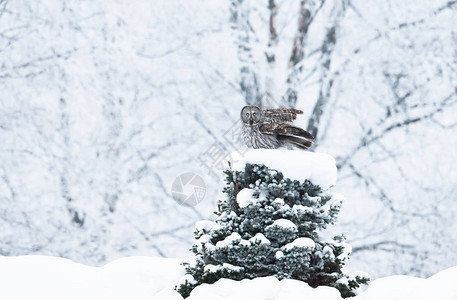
(276, 204)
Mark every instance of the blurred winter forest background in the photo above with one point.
(104, 103)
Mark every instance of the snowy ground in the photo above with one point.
(44, 277)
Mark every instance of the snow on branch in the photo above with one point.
(319, 168)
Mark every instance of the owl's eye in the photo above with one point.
(253, 114)
(247, 114)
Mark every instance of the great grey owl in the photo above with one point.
(269, 128)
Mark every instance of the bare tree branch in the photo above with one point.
(326, 81)
(370, 136)
(298, 52)
(370, 181)
(449, 5)
(270, 89)
(239, 19)
(378, 245)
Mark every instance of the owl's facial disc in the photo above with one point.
(250, 115)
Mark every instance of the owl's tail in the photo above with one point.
(297, 131)
(287, 140)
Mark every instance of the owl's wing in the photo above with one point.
(289, 134)
(281, 114)
(285, 129)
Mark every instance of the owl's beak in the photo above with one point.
(251, 121)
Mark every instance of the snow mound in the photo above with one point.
(244, 197)
(262, 288)
(215, 268)
(204, 225)
(44, 277)
(284, 223)
(299, 165)
(440, 286)
(261, 238)
(302, 242)
(234, 237)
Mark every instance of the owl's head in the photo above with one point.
(251, 115)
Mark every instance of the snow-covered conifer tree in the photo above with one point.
(277, 202)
